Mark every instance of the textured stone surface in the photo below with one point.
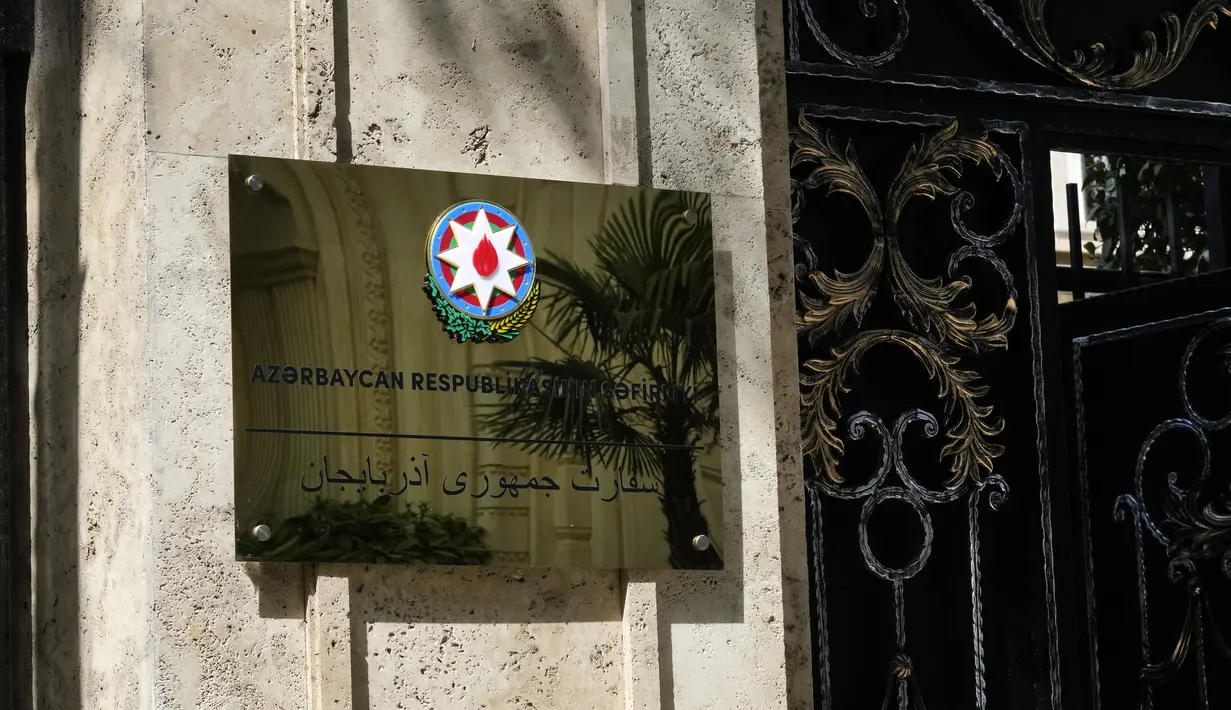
(328, 617)
(138, 600)
(703, 88)
(736, 615)
(724, 131)
(505, 86)
(316, 79)
(471, 638)
(643, 686)
(89, 454)
(622, 101)
(226, 635)
(792, 544)
(219, 76)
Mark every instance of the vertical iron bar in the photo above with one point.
(899, 615)
(976, 599)
(1076, 258)
(1203, 686)
(1174, 247)
(8, 502)
(812, 494)
(1217, 202)
(1127, 240)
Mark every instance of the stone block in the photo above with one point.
(219, 77)
(501, 86)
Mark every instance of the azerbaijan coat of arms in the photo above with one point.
(480, 273)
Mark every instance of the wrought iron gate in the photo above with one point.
(990, 521)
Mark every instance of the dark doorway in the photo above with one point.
(16, 43)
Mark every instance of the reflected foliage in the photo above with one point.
(643, 314)
(372, 532)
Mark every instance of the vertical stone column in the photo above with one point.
(329, 626)
(90, 464)
(640, 634)
(328, 634)
(626, 123)
(717, 123)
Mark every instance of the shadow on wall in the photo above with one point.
(57, 278)
(537, 45)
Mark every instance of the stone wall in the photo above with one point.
(137, 601)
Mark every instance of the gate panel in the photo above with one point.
(926, 267)
(916, 268)
(1148, 379)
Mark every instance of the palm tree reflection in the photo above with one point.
(645, 316)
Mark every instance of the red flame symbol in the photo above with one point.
(485, 259)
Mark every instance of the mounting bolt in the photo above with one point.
(701, 543)
(262, 533)
(255, 182)
(689, 217)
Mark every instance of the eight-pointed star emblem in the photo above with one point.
(482, 259)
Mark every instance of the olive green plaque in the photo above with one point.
(442, 368)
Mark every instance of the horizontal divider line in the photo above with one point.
(488, 439)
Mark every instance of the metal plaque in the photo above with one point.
(441, 368)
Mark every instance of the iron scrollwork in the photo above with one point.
(832, 305)
(1093, 67)
(1194, 526)
(870, 9)
(927, 303)
(1153, 63)
(971, 427)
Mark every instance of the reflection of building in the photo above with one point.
(328, 271)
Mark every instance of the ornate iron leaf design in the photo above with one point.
(923, 172)
(1149, 65)
(1197, 614)
(928, 303)
(971, 425)
(1161, 54)
(1200, 529)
